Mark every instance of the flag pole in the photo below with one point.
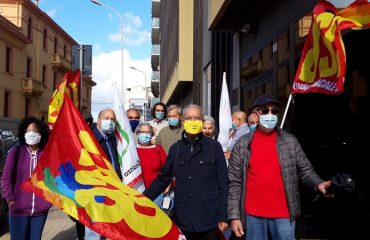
(286, 111)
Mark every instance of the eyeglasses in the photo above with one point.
(194, 118)
(266, 110)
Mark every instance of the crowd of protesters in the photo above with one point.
(251, 188)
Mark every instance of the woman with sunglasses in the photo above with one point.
(152, 157)
(27, 212)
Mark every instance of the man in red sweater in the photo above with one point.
(263, 178)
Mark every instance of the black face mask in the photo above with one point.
(133, 124)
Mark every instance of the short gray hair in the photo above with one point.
(144, 124)
(175, 107)
(209, 119)
(193, 106)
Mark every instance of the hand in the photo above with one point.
(222, 226)
(237, 227)
(11, 203)
(167, 189)
(227, 154)
(323, 186)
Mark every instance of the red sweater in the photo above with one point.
(152, 160)
(265, 189)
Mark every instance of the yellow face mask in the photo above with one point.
(193, 126)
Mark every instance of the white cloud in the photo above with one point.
(133, 35)
(107, 70)
(51, 12)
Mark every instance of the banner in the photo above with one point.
(126, 147)
(74, 174)
(322, 67)
(224, 118)
(70, 85)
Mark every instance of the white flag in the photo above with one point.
(224, 119)
(126, 148)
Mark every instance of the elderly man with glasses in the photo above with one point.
(263, 178)
(199, 167)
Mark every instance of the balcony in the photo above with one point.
(155, 30)
(156, 4)
(58, 62)
(32, 87)
(155, 56)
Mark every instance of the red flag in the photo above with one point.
(74, 175)
(322, 67)
(70, 85)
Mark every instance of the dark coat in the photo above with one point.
(111, 140)
(201, 184)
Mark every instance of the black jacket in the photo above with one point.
(111, 140)
(201, 183)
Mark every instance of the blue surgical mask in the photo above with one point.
(144, 138)
(173, 122)
(233, 125)
(134, 123)
(268, 122)
(253, 127)
(107, 125)
(159, 115)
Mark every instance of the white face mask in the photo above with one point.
(32, 138)
(268, 122)
(107, 126)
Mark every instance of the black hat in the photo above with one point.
(343, 181)
(265, 99)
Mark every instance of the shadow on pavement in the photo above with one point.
(69, 234)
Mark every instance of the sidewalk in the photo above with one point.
(58, 227)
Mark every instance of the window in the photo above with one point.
(29, 28)
(8, 59)
(64, 50)
(6, 104)
(27, 107)
(55, 45)
(45, 39)
(29, 68)
(44, 76)
(55, 80)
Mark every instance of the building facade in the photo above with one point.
(266, 44)
(176, 51)
(35, 54)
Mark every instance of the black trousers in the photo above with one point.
(209, 235)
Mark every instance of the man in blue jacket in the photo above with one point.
(201, 188)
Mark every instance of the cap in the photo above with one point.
(265, 99)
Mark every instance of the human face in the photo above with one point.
(173, 114)
(133, 115)
(32, 128)
(268, 108)
(253, 119)
(144, 129)
(208, 129)
(193, 114)
(106, 115)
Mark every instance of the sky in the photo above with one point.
(100, 27)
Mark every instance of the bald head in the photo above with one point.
(239, 118)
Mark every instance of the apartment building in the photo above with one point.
(35, 53)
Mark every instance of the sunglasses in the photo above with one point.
(266, 110)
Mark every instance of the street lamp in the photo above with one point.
(146, 91)
(146, 87)
(122, 61)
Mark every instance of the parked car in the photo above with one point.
(7, 140)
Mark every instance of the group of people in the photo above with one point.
(251, 187)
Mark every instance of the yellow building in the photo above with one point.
(35, 53)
